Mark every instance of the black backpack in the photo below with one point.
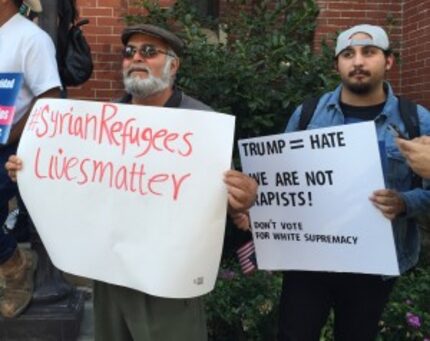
(77, 64)
(408, 113)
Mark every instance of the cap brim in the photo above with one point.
(174, 42)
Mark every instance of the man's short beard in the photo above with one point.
(145, 87)
(359, 89)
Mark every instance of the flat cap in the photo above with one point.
(171, 39)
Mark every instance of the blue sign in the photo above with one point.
(10, 84)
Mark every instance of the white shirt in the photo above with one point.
(27, 49)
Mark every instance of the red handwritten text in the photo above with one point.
(129, 178)
(106, 128)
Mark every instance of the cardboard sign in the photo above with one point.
(313, 210)
(10, 84)
(129, 195)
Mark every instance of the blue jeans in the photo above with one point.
(8, 190)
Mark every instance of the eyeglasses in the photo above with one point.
(146, 51)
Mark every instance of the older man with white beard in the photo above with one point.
(151, 61)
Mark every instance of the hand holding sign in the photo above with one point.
(241, 189)
(389, 202)
(13, 165)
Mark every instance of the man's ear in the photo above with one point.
(174, 66)
(389, 62)
(335, 65)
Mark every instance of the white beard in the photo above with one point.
(145, 87)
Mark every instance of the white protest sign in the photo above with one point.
(129, 195)
(313, 210)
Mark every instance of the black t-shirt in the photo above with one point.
(354, 114)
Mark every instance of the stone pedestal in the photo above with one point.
(58, 321)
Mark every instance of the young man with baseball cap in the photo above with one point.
(362, 57)
(25, 49)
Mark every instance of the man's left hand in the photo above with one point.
(389, 202)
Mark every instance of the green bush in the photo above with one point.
(263, 70)
(244, 307)
(407, 315)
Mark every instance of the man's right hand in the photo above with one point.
(13, 165)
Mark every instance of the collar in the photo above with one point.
(392, 103)
(175, 100)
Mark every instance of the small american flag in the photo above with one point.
(246, 256)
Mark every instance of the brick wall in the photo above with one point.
(416, 51)
(407, 21)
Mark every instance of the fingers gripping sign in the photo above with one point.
(13, 165)
(389, 202)
(241, 189)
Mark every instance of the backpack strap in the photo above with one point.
(308, 108)
(409, 114)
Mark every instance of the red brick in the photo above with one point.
(96, 12)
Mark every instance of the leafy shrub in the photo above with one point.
(244, 307)
(407, 315)
(263, 70)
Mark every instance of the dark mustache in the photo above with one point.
(359, 72)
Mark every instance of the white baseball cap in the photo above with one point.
(378, 38)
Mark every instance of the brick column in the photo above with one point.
(415, 55)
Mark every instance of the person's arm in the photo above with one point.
(18, 128)
(414, 202)
(417, 154)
